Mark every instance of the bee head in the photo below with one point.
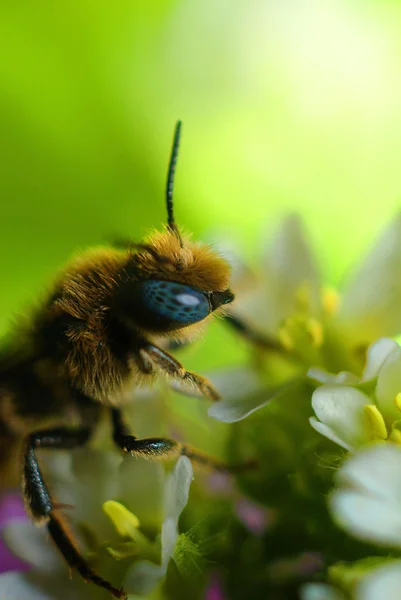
(174, 283)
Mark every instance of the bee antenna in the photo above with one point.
(170, 181)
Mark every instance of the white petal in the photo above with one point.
(372, 298)
(95, 480)
(369, 518)
(384, 582)
(343, 377)
(235, 382)
(291, 264)
(376, 356)
(320, 591)
(141, 486)
(240, 403)
(341, 408)
(169, 539)
(243, 393)
(389, 385)
(236, 408)
(143, 577)
(376, 471)
(177, 488)
(288, 267)
(329, 433)
(18, 586)
(32, 544)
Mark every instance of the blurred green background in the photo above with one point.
(287, 106)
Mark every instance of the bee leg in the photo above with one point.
(164, 448)
(153, 356)
(252, 335)
(40, 505)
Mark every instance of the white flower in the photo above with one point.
(314, 326)
(352, 417)
(87, 480)
(287, 275)
(383, 582)
(370, 307)
(320, 591)
(367, 501)
(145, 575)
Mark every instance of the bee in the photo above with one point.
(100, 333)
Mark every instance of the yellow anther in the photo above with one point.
(285, 338)
(375, 425)
(315, 330)
(124, 520)
(330, 299)
(397, 401)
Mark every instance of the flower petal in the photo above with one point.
(376, 356)
(11, 509)
(389, 385)
(143, 577)
(17, 586)
(368, 501)
(32, 544)
(376, 471)
(169, 539)
(372, 298)
(329, 433)
(240, 404)
(369, 518)
(320, 591)
(141, 486)
(342, 409)
(243, 393)
(343, 377)
(288, 269)
(177, 488)
(290, 264)
(236, 408)
(384, 582)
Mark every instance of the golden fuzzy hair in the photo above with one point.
(192, 263)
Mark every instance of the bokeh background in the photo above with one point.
(287, 106)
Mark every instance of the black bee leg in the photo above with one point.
(153, 356)
(164, 448)
(40, 505)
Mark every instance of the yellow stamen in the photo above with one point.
(397, 401)
(375, 425)
(315, 330)
(285, 338)
(330, 300)
(124, 520)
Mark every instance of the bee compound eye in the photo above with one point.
(169, 305)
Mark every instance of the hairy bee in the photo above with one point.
(91, 342)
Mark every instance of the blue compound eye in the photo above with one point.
(169, 305)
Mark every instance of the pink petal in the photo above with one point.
(11, 508)
(214, 589)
